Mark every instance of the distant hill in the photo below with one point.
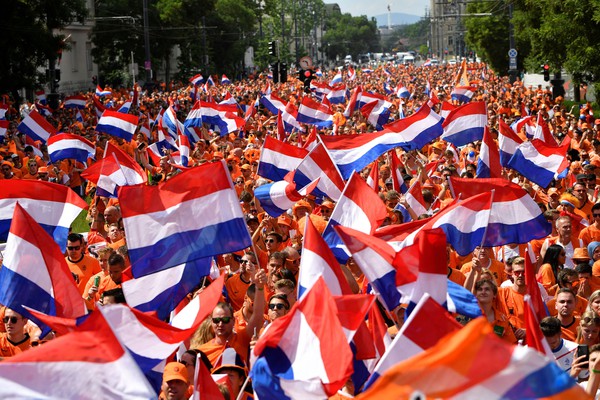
(397, 19)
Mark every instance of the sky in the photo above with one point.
(371, 8)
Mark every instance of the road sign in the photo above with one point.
(306, 63)
(512, 63)
(512, 53)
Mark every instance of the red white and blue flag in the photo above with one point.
(462, 94)
(273, 103)
(68, 367)
(77, 101)
(35, 274)
(183, 216)
(277, 159)
(465, 124)
(539, 162)
(318, 261)
(336, 79)
(354, 152)
(225, 80)
(53, 206)
(318, 164)
(359, 208)
(116, 169)
(515, 217)
(162, 291)
(416, 335)
(69, 146)
(101, 93)
(508, 372)
(508, 142)
(304, 354)
(488, 163)
(353, 101)
(278, 197)
(314, 113)
(118, 124)
(197, 80)
(4, 124)
(338, 94)
(36, 127)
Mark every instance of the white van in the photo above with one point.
(409, 59)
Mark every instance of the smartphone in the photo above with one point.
(96, 281)
(141, 146)
(583, 350)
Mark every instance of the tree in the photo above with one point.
(489, 35)
(562, 33)
(351, 35)
(29, 40)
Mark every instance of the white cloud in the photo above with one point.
(371, 8)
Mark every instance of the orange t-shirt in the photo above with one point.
(240, 341)
(512, 304)
(9, 349)
(236, 290)
(84, 269)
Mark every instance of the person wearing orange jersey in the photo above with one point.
(81, 265)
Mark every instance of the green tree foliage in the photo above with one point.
(489, 35)
(351, 35)
(28, 38)
(564, 34)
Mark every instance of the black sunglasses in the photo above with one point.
(13, 320)
(218, 320)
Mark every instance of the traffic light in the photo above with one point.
(546, 72)
(283, 72)
(309, 74)
(273, 48)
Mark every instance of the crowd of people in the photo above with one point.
(261, 281)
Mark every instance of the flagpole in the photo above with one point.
(241, 393)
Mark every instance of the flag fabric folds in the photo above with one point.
(539, 162)
(53, 206)
(118, 124)
(465, 124)
(488, 164)
(35, 126)
(188, 221)
(116, 169)
(354, 152)
(87, 361)
(474, 363)
(67, 145)
(35, 274)
(277, 159)
(304, 354)
(359, 208)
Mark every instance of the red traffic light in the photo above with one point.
(307, 74)
(546, 67)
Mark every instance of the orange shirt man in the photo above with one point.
(82, 266)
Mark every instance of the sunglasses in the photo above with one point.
(518, 273)
(13, 320)
(73, 247)
(218, 320)
(277, 306)
(596, 215)
(244, 262)
(269, 240)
